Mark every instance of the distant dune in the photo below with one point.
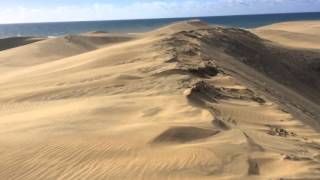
(8, 43)
(186, 101)
(57, 48)
(301, 34)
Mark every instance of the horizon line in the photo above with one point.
(137, 19)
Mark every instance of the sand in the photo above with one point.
(13, 42)
(187, 101)
(297, 34)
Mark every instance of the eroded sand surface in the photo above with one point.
(187, 101)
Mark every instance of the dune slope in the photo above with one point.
(54, 49)
(187, 101)
(8, 43)
(298, 34)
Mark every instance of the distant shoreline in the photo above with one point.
(47, 29)
(191, 17)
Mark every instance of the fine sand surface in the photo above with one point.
(186, 101)
(301, 34)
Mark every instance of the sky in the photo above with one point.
(20, 11)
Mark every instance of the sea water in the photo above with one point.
(142, 25)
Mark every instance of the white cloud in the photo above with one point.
(153, 9)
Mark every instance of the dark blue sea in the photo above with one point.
(62, 28)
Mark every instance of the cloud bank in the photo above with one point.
(153, 9)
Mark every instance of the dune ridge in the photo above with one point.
(186, 101)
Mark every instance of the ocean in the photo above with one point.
(63, 28)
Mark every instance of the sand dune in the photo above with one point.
(57, 48)
(8, 43)
(300, 34)
(187, 101)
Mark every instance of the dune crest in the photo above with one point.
(186, 101)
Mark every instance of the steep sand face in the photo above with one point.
(299, 34)
(188, 101)
(8, 43)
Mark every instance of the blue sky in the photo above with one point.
(16, 11)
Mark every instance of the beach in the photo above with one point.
(188, 100)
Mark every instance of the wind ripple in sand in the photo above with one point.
(187, 101)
